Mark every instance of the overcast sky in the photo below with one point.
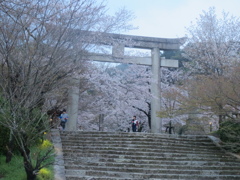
(169, 18)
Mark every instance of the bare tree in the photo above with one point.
(40, 48)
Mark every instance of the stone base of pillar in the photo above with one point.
(194, 127)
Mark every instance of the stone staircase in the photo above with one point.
(141, 156)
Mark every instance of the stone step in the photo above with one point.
(141, 156)
(207, 166)
(165, 177)
(137, 136)
(152, 149)
(106, 178)
(137, 159)
(83, 139)
(128, 152)
(134, 142)
(90, 160)
(168, 178)
(145, 134)
(121, 142)
(68, 177)
(140, 146)
(126, 134)
(153, 170)
(188, 174)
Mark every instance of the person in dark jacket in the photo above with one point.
(64, 119)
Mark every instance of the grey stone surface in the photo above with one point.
(141, 156)
(73, 99)
(217, 142)
(133, 41)
(59, 169)
(156, 121)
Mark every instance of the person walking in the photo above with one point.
(64, 118)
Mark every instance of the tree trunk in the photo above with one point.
(31, 175)
(149, 121)
(29, 170)
(10, 148)
(220, 120)
(149, 115)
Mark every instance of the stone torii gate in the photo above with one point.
(118, 42)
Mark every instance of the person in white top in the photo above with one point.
(134, 124)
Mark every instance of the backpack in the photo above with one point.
(137, 122)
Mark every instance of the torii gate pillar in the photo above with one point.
(72, 109)
(156, 122)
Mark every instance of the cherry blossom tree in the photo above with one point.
(118, 93)
(121, 91)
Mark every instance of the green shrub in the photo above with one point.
(9, 171)
(45, 144)
(229, 133)
(45, 174)
(182, 130)
(13, 169)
